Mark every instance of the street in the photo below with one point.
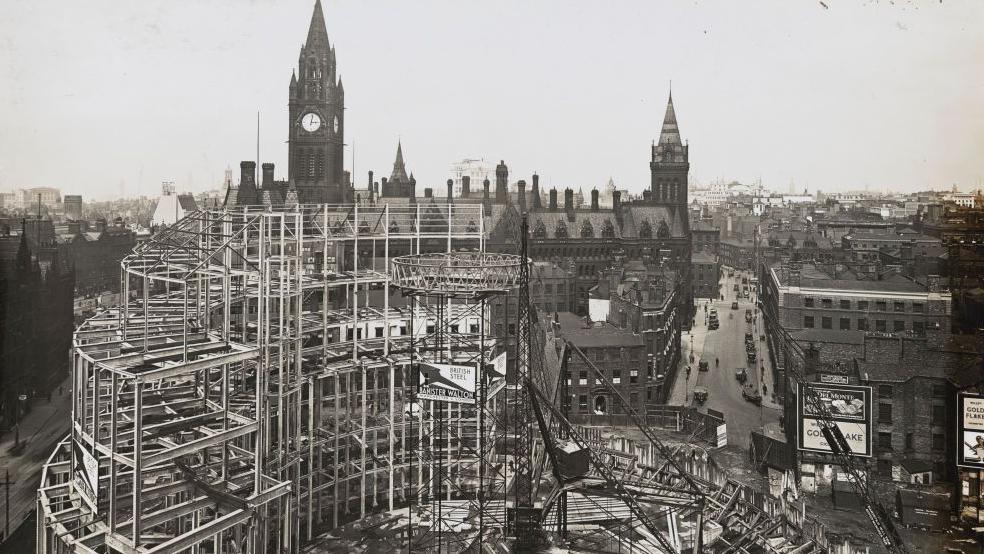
(727, 346)
(42, 428)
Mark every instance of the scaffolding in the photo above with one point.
(255, 388)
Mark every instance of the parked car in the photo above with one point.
(741, 374)
(703, 366)
(751, 357)
(700, 394)
(750, 396)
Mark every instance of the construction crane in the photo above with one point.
(840, 449)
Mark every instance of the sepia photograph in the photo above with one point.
(343, 276)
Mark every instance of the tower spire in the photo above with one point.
(670, 133)
(317, 33)
(399, 168)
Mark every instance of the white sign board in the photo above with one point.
(849, 408)
(447, 383)
(85, 474)
(499, 367)
(722, 435)
(970, 432)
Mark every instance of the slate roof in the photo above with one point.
(600, 334)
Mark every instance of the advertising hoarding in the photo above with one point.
(970, 430)
(447, 383)
(85, 473)
(849, 407)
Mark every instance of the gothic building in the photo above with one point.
(315, 131)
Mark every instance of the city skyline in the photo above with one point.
(839, 98)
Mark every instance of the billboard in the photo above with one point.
(447, 383)
(849, 407)
(970, 431)
(85, 473)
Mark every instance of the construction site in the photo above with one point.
(324, 379)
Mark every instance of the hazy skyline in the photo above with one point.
(107, 99)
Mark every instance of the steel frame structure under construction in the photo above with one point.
(255, 389)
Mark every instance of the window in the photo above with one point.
(899, 325)
(885, 391)
(616, 377)
(599, 355)
(379, 332)
(827, 303)
(548, 288)
(582, 378)
(845, 304)
(881, 306)
(899, 306)
(633, 376)
(885, 441)
(808, 302)
(919, 328)
(582, 403)
(825, 322)
(862, 324)
(633, 399)
(939, 391)
(512, 329)
(845, 323)
(938, 442)
(880, 325)
(917, 307)
(908, 441)
(808, 321)
(939, 414)
(884, 413)
(885, 467)
(863, 305)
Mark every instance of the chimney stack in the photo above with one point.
(386, 191)
(247, 175)
(536, 192)
(450, 190)
(568, 200)
(647, 195)
(465, 186)
(267, 176)
(617, 202)
(594, 200)
(553, 200)
(502, 182)
(521, 185)
(428, 192)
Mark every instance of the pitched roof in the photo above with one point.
(317, 33)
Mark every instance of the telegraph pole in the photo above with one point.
(6, 503)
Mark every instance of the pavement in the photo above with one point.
(42, 428)
(727, 345)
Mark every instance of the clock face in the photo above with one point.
(335, 124)
(311, 122)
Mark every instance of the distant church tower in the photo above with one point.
(670, 163)
(316, 124)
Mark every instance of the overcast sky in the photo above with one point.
(109, 98)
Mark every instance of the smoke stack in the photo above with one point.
(521, 185)
(594, 200)
(501, 182)
(536, 192)
(553, 200)
(465, 186)
(267, 169)
(247, 175)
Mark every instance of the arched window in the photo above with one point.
(561, 231)
(646, 231)
(608, 231)
(311, 168)
(664, 230)
(540, 231)
(587, 230)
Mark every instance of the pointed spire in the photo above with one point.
(399, 169)
(670, 133)
(317, 33)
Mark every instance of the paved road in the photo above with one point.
(727, 344)
(42, 428)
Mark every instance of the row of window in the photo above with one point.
(582, 377)
(600, 403)
(885, 442)
(881, 325)
(885, 414)
(862, 305)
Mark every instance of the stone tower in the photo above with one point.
(316, 121)
(670, 163)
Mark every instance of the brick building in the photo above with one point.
(737, 253)
(706, 275)
(866, 245)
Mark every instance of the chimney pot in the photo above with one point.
(594, 200)
(521, 186)
(553, 199)
(465, 186)
(267, 175)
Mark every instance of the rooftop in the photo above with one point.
(600, 334)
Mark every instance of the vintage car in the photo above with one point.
(741, 374)
(752, 396)
(700, 394)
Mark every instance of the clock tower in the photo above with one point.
(316, 124)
